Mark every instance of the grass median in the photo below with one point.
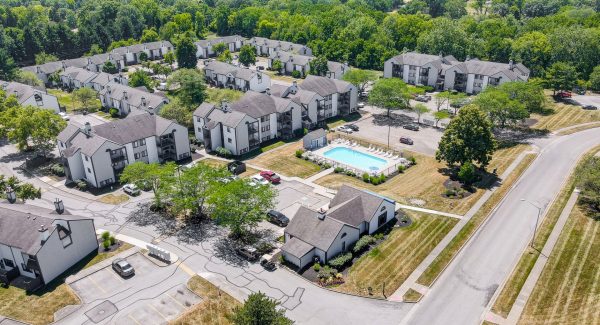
(283, 160)
(446, 256)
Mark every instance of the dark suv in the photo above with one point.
(278, 218)
(411, 127)
(249, 253)
(406, 140)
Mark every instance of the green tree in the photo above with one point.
(23, 191)
(29, 78)
(85, 96)
(561, 76)
(500, 107)
(589, 184)
(529, 94)
(8, 68)
(440, 115)
(140, 78)
(169, 58)
(193, 188)
(177, 112)
(277, 66)
(247, 55)
(149, 35)
(219, 48)
(31, 127)
(468, 138)
(109, 67)
(533, 50)
(359, 78)
(318, 66)
(446, 37)
(467, 173)
(260, 309)
(43, 57)
(143, 57)
(94, 49)
(190, 86)
(455, 8)
(159, 178)
(390, 94)
(240, 205)
(186, 54)
(420, 109)
(225, 56)
(594, 82)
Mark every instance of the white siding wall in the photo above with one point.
(352, 235)
(76, 167)
(390, 207)
(152, 150)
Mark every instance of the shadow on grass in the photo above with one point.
(512, 136)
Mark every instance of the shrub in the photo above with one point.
(296, 74)
(375, 180)
(264, 248)
(81, 184)
(106, 244)
(450, 192)
(413, 160)
(341, 260)
(112, 240)
(105, 235)
(466, 174)
(363, 242)
(338, 170)
(223, 152)
(378, 236)
(401, 169)
(365, 177)
(113, 112)
(382, 178)
(299, 153)
(326, 272)
(317, 267)
(350, 173)
(58, 170)
(326, 165)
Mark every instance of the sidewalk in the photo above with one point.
(536, 272)
(411, 281)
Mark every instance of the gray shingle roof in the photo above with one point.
(79, 74)
(286, 57)
(132, 128)
(257, 104)
(325, 86)
(224, 39)
(223, 68)
(19, 90)
(368, 201)
(229, 118)
(302, 96)
(297, 247)
(204, 109)
(276, 44)
(68, 132)
(315, 134)
(307, 226)
(134, 95)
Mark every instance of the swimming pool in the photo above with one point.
(356, 159)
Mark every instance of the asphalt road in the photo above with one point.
(461, 294)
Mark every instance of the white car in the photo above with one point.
(361, 105)
(131, 189)
(344, 129)
(64, 116)
(258, 180)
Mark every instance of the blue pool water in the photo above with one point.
(355, 159)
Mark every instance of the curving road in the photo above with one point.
(461, 294)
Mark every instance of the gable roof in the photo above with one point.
(325, 86)
(132, 128)
(297, 247)
(79, 74)
(368, 204)
(315, 134)
(301, 96)
(258, 104)
(224, 39)
(276, 44)
(117, 91)
(286, 57)
(223, 68)
(22, 91)
(308, 227)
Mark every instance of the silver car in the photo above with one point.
(121, 266)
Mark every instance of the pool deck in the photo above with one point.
(391, 165)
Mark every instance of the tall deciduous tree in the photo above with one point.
(29, 78)
(468, 138)
(390, 94)
(359, 78)
(318, 66)
(440, 115)
(8, 68)
(529, 94)
(189, 85)
(155, 176)
(140, 78)
(186, 54)
(109, 67)
(561, 76)
(194, 187)
(594, 82)
(247, 55)
(500, 107)
(260, 309)
(420, 109)
(23, 191)
(85, 96)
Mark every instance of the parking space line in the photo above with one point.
(96, 284)
(133, 319)
(158, 312)
(117, 277)
(177, 301)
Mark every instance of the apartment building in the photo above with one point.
(204, 48)
(291, 62)
(30, 96)
(99, 154)
(447, 73)
(224, 75)
(313, 108)
(127, 99)
(266, 47)
(74, 78)
(339, 97)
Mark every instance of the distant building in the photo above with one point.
(339, 97)
(204, 48)
(266, 47)
(30, 96)
(41, 244)
(74, 78)
(291, 62)
(127, 99)
(447, 73)
(99, 154)
(225, 75)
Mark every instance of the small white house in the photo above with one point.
(30, 96)
(325, 234)
(315, 139)
(41, 244)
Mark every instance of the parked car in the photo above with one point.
(270, 176)
(344, 129)
(268, 265)
(131, 189)
(406, 140)
(236, 167)
(64, 116)
(423, 98)
(248, 253)
(227, 179)
(260, 68)
(278, 218)
(352, 127)
(361, 105)
(122, 267)
(364, 94)
(590, 107)
(411, 127)
(258, 180)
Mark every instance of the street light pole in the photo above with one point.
(537, 220)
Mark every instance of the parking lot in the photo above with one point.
(583, 100)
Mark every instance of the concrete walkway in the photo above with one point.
(440, 213)
(411, 281)
(536, 272)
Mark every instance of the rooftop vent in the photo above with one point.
(321, 214)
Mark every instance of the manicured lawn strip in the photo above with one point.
(217, 95)
(438, 265)
(272, 146)
(39, 307)
(392, 261)
(216, 307)
(334, 122)
(412, 296)
(66, 99)
(220, 163)
(283, 161)
(513, 286)
(564, 115)
(580, 128)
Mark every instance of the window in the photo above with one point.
(144, 153)
(228, 140)
(1, 264)
(228, 129)
(89, 170)
(135, 144)
(86, 157)
(343, 235)
(24, 267)
(9, 263)
(382, 208)
(142, 142)
(136, 155)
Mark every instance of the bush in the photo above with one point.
(113, 112)
(366, 177)
(58, 170)
(264, 248)
(412, 160)
(296, 74)
(381, 178)
(375, 180)
(401, 169)
(106, 244)
(341, 260)
(378, 236)
(338, 170)
(223, 152)
(326, 166)
(350, 173)
(112, 240)
(326, 272)
(81, 184)
(317, 267)
(363, 242)
(299, 153)
(105, 235)
(467, 174)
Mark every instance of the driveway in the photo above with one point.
(587, 100)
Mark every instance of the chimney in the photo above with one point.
(268, 91)
(143, 101)
(108, 89)
(321, 214)
(225, 106)
(124, 94)
(87, 128)
(294, 87)
(44, 234)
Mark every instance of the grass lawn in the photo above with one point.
(334, 122)
(220, 163)
(217, 95)
(392, 261)
(114, 199)
(470, 227)
(284, 161)
(216, 307)
(66, 99)
(39, 307)
(412, 296)
(425, 182)
(272, 146)
(564, 115)
(513, 286)
(568, 289)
